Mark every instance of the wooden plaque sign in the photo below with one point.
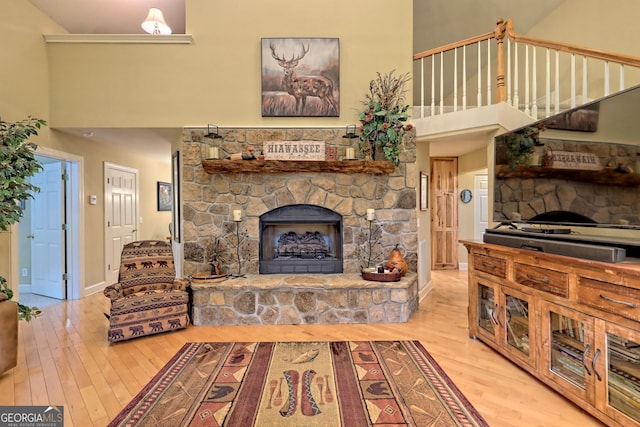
(571, 160)
(294, 150)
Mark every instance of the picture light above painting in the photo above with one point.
(300, 77)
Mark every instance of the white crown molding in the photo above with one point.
(119, 38)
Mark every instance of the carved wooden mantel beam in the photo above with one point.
(377, 167)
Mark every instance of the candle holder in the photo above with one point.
(371, 250)
(239, 239)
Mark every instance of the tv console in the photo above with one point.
(572, 323)
(597, 248)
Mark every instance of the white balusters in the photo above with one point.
(606, 78)
(534, 85)
(516, 96)
(573, 80)
(585, 93)
(547, 87)
(479, 95)
(433, 85)
(527, 100)
(489, 83)
(464, 77)
(557, 84)
(508, 72)
(422, 87)
(455, 79)
(441, 82)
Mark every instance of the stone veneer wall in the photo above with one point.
(210, 199)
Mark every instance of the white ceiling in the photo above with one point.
(435, 23)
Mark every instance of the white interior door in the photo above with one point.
(121, 205)
(481, 206)
(47, 234)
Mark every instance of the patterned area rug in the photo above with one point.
(347, 384)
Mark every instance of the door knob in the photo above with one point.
(30, 236)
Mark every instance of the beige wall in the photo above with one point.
(469, 165)
(214, 80)
(23, 87)
(217, 78)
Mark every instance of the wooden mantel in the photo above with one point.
(378, 167)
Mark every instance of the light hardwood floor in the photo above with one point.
(64, 359)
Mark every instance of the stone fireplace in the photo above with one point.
(285, 283)
(300, 239)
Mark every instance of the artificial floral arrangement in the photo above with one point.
(382, 122)
(521, 144)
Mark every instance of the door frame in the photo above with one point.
(75, 218)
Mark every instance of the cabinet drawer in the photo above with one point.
(609, 297)
(542, 279)
(491, 265)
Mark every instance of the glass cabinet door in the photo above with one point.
(623, 373)
(517, 323)
(487, 308)
(568, 349)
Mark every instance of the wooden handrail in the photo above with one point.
(506, 27)
(620, 58)
(451, 46)
(504, 30)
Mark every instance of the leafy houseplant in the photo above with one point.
(382, 121)
(17, 165)
(521, 144)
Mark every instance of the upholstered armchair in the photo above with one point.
(148, 299)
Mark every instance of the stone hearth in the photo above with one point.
(284, 299)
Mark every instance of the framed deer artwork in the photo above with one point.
(300, 77)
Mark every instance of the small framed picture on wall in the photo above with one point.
(164, 196)
(424, 191)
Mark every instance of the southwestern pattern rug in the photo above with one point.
(346, 384)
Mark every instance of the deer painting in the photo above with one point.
(301, 86)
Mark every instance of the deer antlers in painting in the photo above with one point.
(302, 86)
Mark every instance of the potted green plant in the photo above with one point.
(17, 165)
(382, 121)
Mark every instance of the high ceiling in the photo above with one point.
(436, 22)
(111, 16)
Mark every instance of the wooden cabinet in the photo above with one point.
(572, 323)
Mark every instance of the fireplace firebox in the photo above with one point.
(300, 239)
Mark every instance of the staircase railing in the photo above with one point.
(458, 69)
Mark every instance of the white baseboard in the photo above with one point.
(423, 292)
(93, 289)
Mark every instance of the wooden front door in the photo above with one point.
(444, 214)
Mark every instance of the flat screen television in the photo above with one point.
(577, 168)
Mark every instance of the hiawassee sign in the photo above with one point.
(31, 416)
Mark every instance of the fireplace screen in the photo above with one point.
(301, 239)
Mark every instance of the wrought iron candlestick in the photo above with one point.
(372, 239)
(237, 218)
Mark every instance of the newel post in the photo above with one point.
(499, 33)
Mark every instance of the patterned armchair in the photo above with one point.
(148, 299)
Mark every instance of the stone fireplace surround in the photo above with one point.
(210, 198)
